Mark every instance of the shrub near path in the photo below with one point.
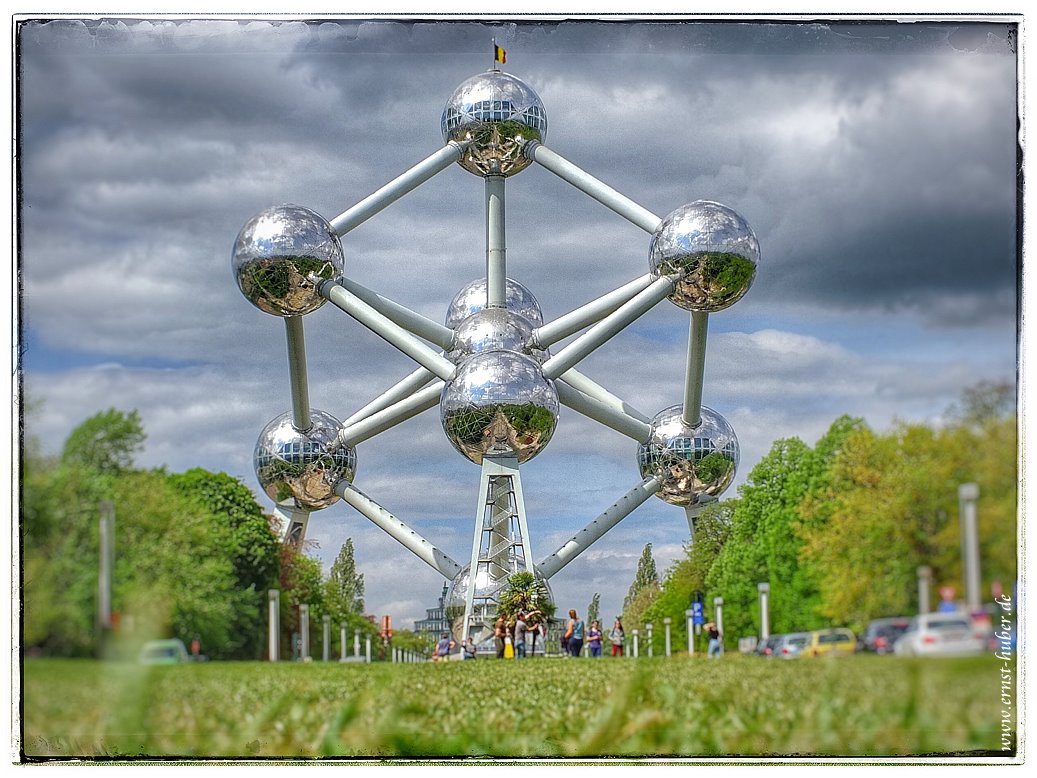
(857, 706)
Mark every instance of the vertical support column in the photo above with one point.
(473, 568)
(689, 615)
(274, 627)
(968, 494)
(692, 513)
(496, 261)
(326, 654)
(692, 414)
(297, 373)
(718, 605)
(765, 626)
(636, 644)
(356, 643)
(342, 642)
(304, 630)
(367, 649)
(648, 629)
(666, 623)
(925, 582)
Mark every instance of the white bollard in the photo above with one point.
(666, 623)
(635, 644)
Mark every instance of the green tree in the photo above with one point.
(688, 574)
(643, 590)
(106, 442)
(251, 544)
(765, 542)
(594, 609)
(525, 593)
(344, 588)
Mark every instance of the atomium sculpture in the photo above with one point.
(489, 368)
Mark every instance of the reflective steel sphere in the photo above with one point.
(690, 462)
(499, 404)
(714, 251)
(301, 469)
(494, 329)
(488, 586)
(276, 251)
(472, 298)
(498, 113)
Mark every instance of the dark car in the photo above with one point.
(767, 647)
(881, 634)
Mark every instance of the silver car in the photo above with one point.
(940, 634)
(791, 645)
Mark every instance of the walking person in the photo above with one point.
(443, 648)
(594, 639)
(714, 649)
(500, 631)
(521, 628)
(616, 637)
(574, 634)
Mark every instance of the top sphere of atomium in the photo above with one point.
(714, 251)
(276, 251)
(497, 114)
(691, 462)
(472, 298)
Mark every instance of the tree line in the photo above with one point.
(839, 530)
(194, 554)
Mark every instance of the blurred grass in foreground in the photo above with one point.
(856, 706)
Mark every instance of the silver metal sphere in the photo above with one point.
(499, 404)
(487, 585)
(300, 469)
(472, 298)
(713, 250)
(276, 251)
(690, 462)
(494, 329)
(498, 114)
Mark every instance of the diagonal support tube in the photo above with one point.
(397, 188)
(297, 373)
(595, 391)
(618, 511)
(600, 412)
(403, 389)
(591, 313)
(692, 414)
(588, 184)
(606, 328)
(413, 322)
(386, 329)
(399, 531)
(387, 418)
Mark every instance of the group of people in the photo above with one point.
(574, 637)
(531, 623)
(505, 633)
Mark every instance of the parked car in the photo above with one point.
(940, 634)
(881, 634)
(768, 646)
(837, 641)
(790, 646)
(164, 652)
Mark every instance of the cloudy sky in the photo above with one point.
(875, 162)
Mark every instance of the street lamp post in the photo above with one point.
(765, 627)
(968, 494)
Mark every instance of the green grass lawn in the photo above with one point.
(863, 706)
